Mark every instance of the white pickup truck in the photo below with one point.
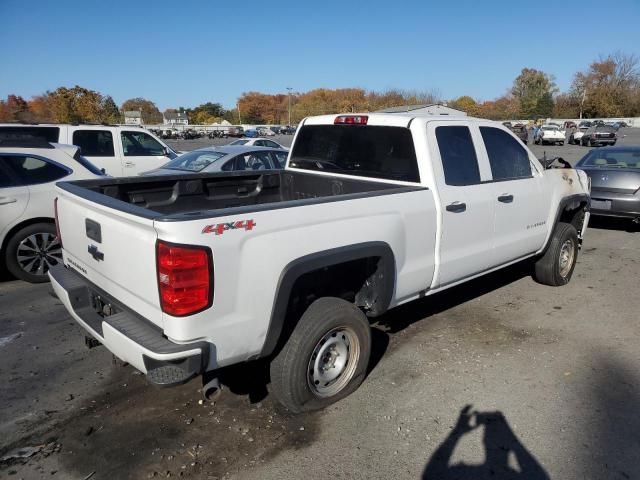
(185, 274)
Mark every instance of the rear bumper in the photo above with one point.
(603, 141)
(128, 336)
(620, 205)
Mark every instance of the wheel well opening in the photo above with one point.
(574, 213)
(20, 226)
(360, 281)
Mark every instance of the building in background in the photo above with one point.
(175, 118)
(133, 117)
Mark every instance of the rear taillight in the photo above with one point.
(55, 213)
(185, 278)
(351, 120)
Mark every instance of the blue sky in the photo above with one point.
(183, 53)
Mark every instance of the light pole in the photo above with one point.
(584, 94)
(289, 90)
(239, 117)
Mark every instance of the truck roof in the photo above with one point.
(399, 119)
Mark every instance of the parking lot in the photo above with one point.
(553, 373)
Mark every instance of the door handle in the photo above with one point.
(129, 164)
(506, 198)
(6, 200)
(456, 207)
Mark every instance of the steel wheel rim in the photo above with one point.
(38, 252)
(333, 362)
(567, 254)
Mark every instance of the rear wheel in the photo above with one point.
(556, 266)
(31, 251)
(326, 357)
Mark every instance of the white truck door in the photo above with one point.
(467, 204)
(141, 152)
(97, 145)
(521, 208)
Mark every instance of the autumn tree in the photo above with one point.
(13, 109)
(206, 113)
(534, 91)
(609, 87)
(150, 113)
(466, 104)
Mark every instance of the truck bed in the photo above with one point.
(192, 196)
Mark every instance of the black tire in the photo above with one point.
(294, 369)
(38, 235)
(549, 268)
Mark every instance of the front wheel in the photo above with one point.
(556, 265)
(325, 358)
(31, 251)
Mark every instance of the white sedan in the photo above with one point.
(257, 142)
(549, 134)
(29, 170)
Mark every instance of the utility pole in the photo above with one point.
(239, 117)
(584, 94)
(289, 90)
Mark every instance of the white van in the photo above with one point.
(121, 150)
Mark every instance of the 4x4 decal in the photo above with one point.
(220, 228)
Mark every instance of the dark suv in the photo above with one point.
(599, 135)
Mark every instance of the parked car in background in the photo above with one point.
(576, 135)
(521, 132)
(287, 130)
(622, 124)
(584, 124)
(29, 169)
(569, 125)
(226, 158)
(190, 134)
(235, 132)
(549, 134)
(121, 150)
(276, 129)
(615, 181)
(597, 135)
(251, 133)
(265, 132)
(258, 142)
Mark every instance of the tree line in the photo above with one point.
(609, 87)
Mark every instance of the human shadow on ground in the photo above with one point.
(499, 443)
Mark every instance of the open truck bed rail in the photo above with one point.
(192, 197)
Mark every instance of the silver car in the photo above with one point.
(226, 158)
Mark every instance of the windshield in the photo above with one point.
(194, 161)
(371, 151)
(239, 142)
(611, 159)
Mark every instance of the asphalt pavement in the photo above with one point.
(551, 376)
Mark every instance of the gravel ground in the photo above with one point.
(551, 372)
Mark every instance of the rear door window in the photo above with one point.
(507, 157)
(140, 144)
(458, 155)
(27, 170)
(367, 151)
(94, 143)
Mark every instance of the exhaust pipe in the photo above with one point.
(211, 389)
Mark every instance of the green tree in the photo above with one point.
(534, 91)
(150, 113)
(110, 112)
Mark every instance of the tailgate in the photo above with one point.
(113, 250)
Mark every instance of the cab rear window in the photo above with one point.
(367, 151)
